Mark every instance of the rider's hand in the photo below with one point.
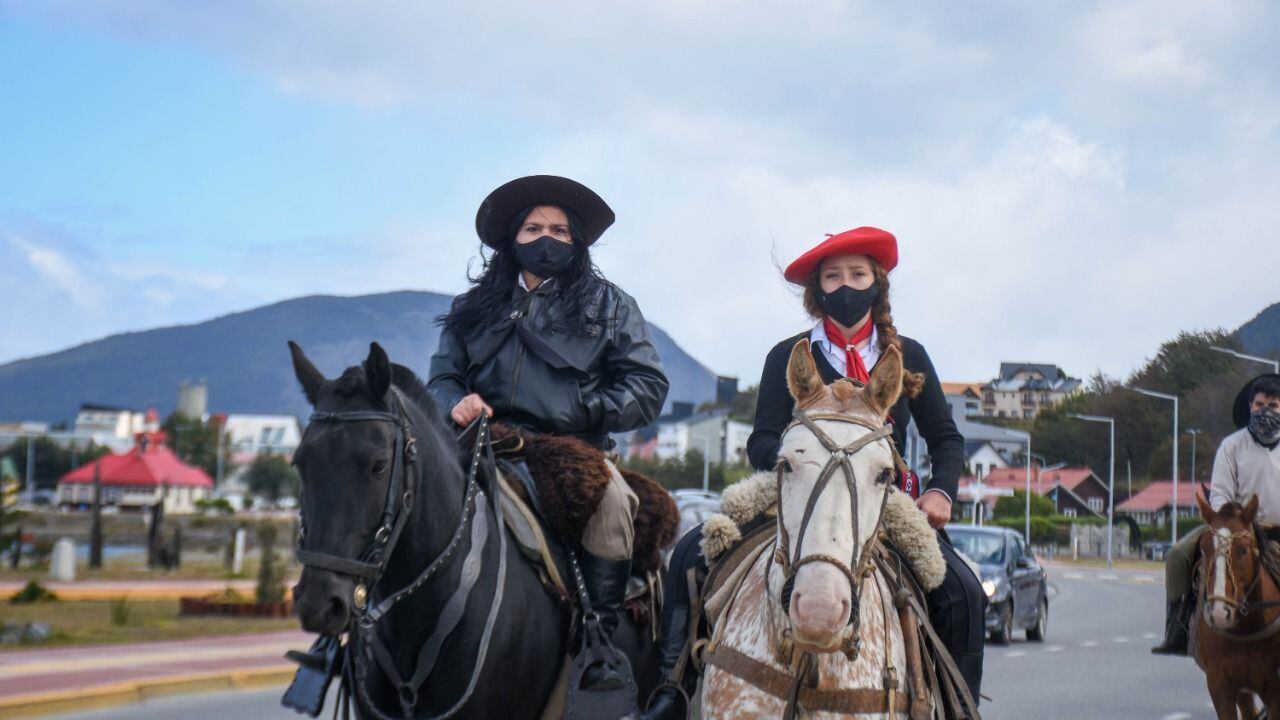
(936, 507)
(469, 408)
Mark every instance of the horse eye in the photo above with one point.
(884, 477)
(379, 467)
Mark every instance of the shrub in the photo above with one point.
(34, 592)
(121, 611)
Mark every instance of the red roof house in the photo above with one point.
(1151, 505)
(144, 475)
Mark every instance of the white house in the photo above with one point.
(251, 435)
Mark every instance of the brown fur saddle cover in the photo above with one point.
(571, 477)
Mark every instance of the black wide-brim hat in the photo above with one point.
(493, 221)
(1240, 411)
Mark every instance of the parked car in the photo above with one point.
(695, 507)
(1015, 584)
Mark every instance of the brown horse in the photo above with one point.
(1237, 641)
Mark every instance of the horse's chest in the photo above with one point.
(728, 697)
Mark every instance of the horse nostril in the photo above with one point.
(337, 609)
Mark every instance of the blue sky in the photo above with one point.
(1070, 182)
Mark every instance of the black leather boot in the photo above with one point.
(1175, 628)
(670, 700)
(606, 582)
(970, 666)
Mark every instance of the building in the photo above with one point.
(114, 427)
(1024, 389)
(147, 474)
(1153, 504)
(711, 433)
(1076, 492)
(250, 435)
(966, 396)
(982, 456)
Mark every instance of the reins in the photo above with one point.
(370, 566)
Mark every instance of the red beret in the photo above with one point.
(875, 243)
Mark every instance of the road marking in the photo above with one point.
(1176, 716)
(1120, 639)
(1149, 636)
(1054, 648)
(1108, 576)
(1145, 578)
(1015, 654)
(1089, 643)
(1073, 576)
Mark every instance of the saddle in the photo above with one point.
(551, 486)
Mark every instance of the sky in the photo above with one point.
(1070, 183)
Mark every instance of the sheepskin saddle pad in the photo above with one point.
(570, 477)
(905, 525)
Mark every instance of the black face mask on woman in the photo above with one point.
(545, 257)
(846, 305)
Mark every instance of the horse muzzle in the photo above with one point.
(1221, 615)
(322, 601)
(820, 607)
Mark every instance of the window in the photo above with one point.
(1028, 414)
(1095, 504)
(1069, 512)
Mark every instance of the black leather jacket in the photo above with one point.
(538, 373)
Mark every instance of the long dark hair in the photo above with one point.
(487, 301)
(881, 315)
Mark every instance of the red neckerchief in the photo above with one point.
(853, 366)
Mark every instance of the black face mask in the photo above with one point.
(545, 257)
(846, 305)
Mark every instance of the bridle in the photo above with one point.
(368, 568)
(1222, 551)
(840, 458)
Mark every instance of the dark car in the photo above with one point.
(1017, 591)
(695, 507)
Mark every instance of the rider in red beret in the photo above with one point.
(846, 292)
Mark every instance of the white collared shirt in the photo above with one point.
(835, 353)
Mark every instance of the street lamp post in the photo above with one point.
(1174, 398)
(1111, 477)
(1275, 365)
(1194, 432)
(1026, 437)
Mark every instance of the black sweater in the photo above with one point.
(774, 408)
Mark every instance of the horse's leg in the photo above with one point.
(1224, 695)
(1248, 709)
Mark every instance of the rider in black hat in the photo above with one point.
(1247, 463)
(544, 342)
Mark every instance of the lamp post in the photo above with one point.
(1275, 365)
(1174, 398)
(1111, 477)
(1026, 437)
(1194, 432)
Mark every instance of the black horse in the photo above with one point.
(375, 434)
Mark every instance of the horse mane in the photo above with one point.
(416, 390)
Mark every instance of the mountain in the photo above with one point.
(245, 362)
(1261, 335)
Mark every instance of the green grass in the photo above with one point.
(195, 566)
(94, 622)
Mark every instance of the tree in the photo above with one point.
(195, 442)
(52, 460)
(1016, 506)
(271, 475)
(9, 515)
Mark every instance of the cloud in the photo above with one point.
(1069, 184)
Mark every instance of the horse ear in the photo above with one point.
(1206, 510)
(803, 379)
(885, 385)
(377, 371)
(1251, 509)
(308, 376)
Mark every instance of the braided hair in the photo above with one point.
(881, 315)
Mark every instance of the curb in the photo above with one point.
(106, 696)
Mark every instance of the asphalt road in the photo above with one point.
(1094, 664)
